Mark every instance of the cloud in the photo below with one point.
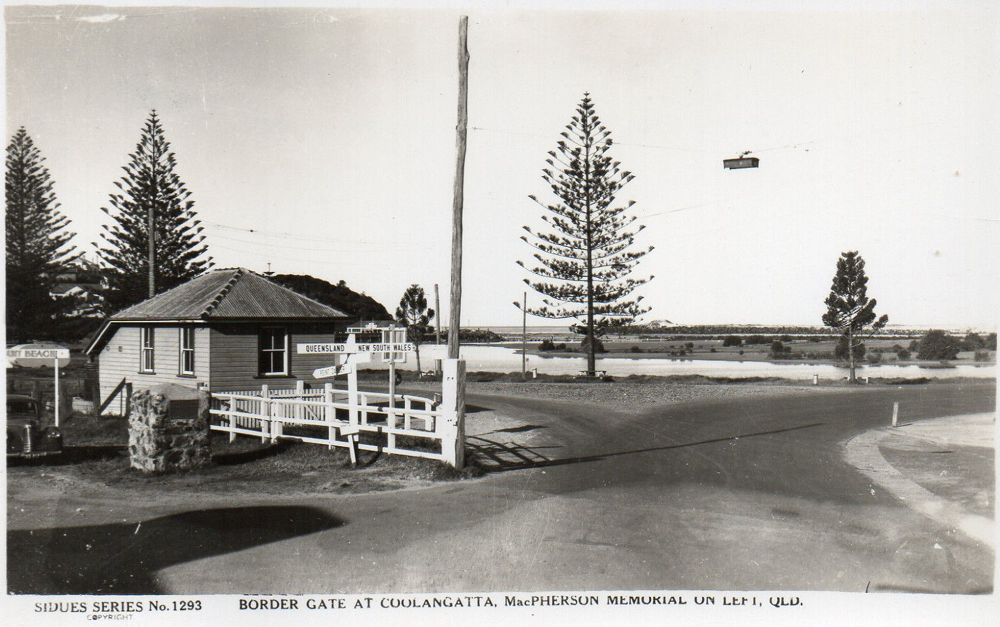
(103, 18)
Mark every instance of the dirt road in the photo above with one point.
(749, 493)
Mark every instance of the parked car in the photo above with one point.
(26, 438)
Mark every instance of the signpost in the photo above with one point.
(351, 347)
(351, 353)
(38, 356)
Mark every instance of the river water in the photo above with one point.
(499, 359)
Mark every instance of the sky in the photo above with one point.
(322, 141)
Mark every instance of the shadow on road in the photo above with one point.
(123, 558)
(508, 456)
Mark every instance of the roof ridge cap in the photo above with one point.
(222, 293)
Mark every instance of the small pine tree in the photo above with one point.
(585, 261)
(151, 193)
(415, 316)
(37, 244)
(848, 308)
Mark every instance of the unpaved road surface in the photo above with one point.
(750, 493)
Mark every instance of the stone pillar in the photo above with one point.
(168, 429)
(453, 412)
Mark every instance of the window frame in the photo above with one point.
(147, 346)
(268, 333)
(186, 350)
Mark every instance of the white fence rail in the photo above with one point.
(404, 425)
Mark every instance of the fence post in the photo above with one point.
(452, 423)
(329, 414)
(300, 391)
(265, 410)
(231, 404)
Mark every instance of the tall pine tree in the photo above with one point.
(585, 261)
(848, 308)
(37, 244)
(153, 199)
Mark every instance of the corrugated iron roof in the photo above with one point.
(220, 295)
(233, 293)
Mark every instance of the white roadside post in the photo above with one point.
(452, 428)
(895, 413)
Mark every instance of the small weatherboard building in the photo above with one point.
(225, 330)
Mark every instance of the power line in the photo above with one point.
(331, 248)
(312, 260)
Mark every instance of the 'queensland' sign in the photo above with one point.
(379, 347)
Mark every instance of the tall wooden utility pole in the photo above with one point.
(437, 312)
(151, 226)
(455, 316)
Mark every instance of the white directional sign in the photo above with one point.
(380, 347)
(333, 371)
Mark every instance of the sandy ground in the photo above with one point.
(625, 395)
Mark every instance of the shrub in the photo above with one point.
(546, 345)
(936, 344)
(712, 350)
(902, 353)
(972, 342)
(841, 351)
(689, 345)
(732, 340)
(636, 349)
(777, 348)
(982, 355)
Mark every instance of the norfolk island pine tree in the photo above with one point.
(848, 308)
(37, 243)
(150, 192)
(585, 261)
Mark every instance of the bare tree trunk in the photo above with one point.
(850, 351)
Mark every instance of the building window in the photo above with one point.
(146, 344)
(273, 351)
(187, 350)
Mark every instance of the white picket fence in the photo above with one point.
(405, 425)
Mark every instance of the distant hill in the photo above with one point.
(339, 296)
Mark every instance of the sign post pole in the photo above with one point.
(55, 366)
(352, 400)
